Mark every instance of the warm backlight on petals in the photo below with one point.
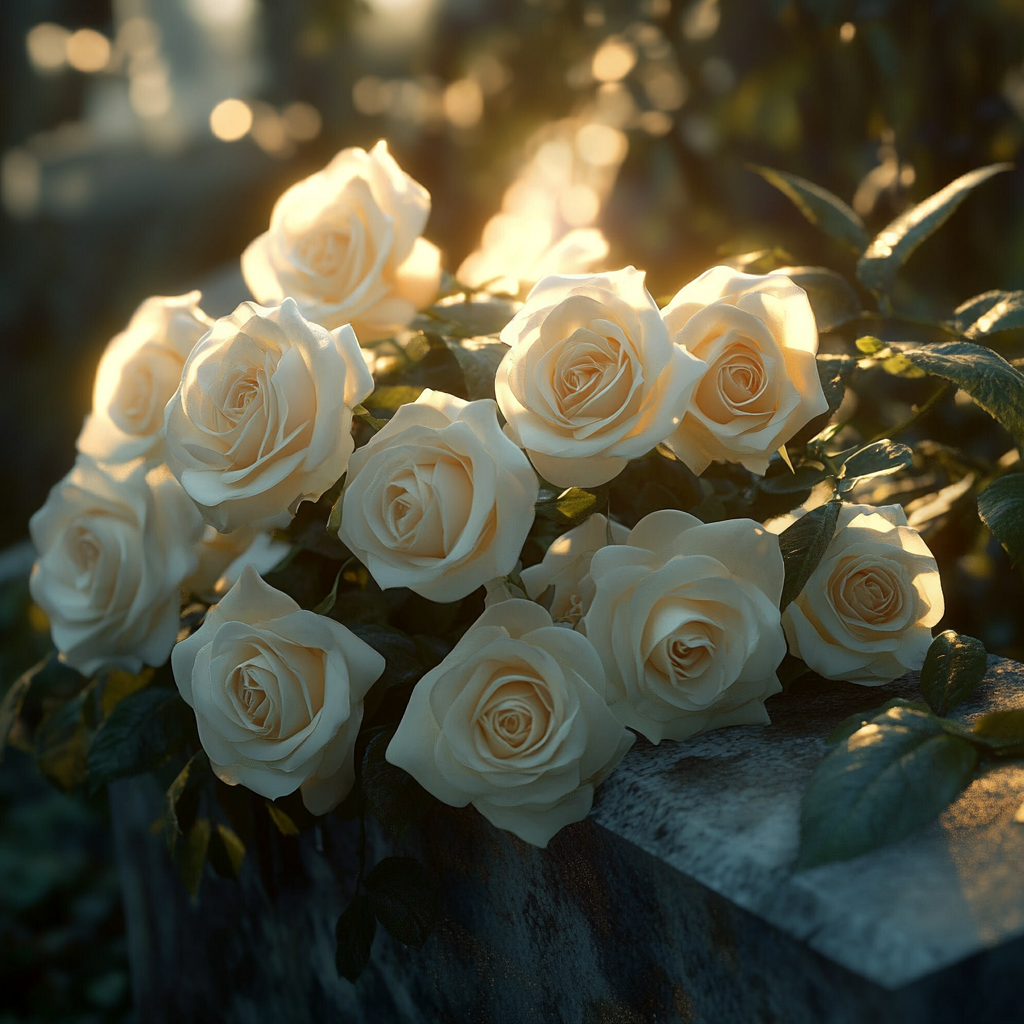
(230, 120)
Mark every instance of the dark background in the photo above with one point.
(879, 99)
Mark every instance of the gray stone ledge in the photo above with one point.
(724, 809)
(675, 902)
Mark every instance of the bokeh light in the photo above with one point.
(614, 60)
(230, 120)
(464, 103)
(47, 46)
(302, 121)
(88, 50)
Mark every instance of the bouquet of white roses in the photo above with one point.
(376, 535)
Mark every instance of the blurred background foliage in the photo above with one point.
(145, 141)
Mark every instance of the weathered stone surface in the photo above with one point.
(676, 901)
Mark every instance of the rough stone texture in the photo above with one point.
(676, 901)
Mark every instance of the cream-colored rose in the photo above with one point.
(138, 373)
(866, 613)
(262, 418)
(278, 694)
(438, 500)
(685, 617)
(346, 244)
(591, 379)
(511, 722)
(566, 567)
(757, 336)
(222, 556)
(115, 542)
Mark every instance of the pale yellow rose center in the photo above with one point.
(252, 695)
(514, 719)
(736, 384)
(425, 506)
(240, 389)
(592, 378)
(322, 252)
(84, 552)
(872, 595)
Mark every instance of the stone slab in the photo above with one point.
(724, 809)
(675, 902)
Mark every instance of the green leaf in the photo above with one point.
(1002, 731)
(803, 478)
(819, 206)
(473, 319)
(360, 412)
(191, 854)
(834, 372)
(478, 361)
(402, 664)
(953, 667)
(887, 780)
(404, 897)
(803, 545)
(989, 313)
(281, 819)
(879, 458)
(391, 397)
(14, 698)
(62, 743)
(571, 506)
(142, 731)
(1001, 507)
(848, 726)
(226, 851)
(869, 344)
(182, 801)
(833, 299)
(890, 248)
(333, 526)
(118, 684)
(354, 936)
(396, 799)
(986, 376)
(324, 607)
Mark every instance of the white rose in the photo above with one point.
(138, 372)
(566, 567)
(222, 556)
(345, 244)
(591, 379)
(438, 500)
(278, 694)
(866, 613)
(685, 617)
(510, 722)
(114, 542)
(758, 338)
(262, 418)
